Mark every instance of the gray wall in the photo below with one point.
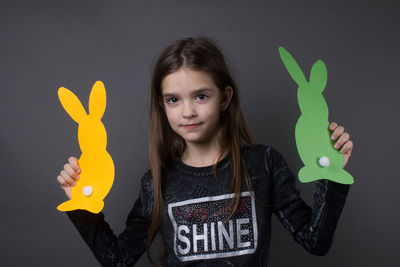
(48, 44)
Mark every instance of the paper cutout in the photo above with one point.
(97, 166)
(314, 145)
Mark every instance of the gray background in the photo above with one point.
(48, 44)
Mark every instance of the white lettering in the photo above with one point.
(197, 237)
(184, 239)
(240, 232)
(228, 237)
(213, 246)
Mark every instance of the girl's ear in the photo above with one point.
(226, 98)
(97, 100)
(71, 104)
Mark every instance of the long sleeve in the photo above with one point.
(313, 228)
(127, 248)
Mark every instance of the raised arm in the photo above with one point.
(128, 247)
(313, 228)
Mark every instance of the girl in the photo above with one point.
(210, 190)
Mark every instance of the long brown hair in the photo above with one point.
(200, 54)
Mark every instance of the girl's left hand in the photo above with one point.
(343, 141)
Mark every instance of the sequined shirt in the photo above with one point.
(195, 226)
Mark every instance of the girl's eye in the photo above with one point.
(168, 100)
(205, 96)
(173, 100)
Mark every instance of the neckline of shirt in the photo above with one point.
(202, 171)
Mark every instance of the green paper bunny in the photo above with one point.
(320, 159)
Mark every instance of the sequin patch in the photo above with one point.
(200, 232)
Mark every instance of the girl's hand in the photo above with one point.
(69, 175)
(343, 141)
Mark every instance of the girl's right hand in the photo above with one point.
(69, 175)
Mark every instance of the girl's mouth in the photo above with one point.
(191, 127)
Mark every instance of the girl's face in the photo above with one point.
(191, 98)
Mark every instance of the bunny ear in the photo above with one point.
(71, 104)
(319, 75)
(97, 100)
(292, 66)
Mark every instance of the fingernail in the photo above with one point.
(336, 146)
(77, 177)
(332, 137)
(78, 170)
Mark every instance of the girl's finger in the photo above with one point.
(342, 139)
(71, 172)
(68, 179)
(332, 126)
(347, 148)
(74, 164)
(337, 132)
(61, 181)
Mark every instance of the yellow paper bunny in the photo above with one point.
(97, 166)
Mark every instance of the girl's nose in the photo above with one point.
(188, 110)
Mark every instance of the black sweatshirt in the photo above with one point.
(195, 208)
